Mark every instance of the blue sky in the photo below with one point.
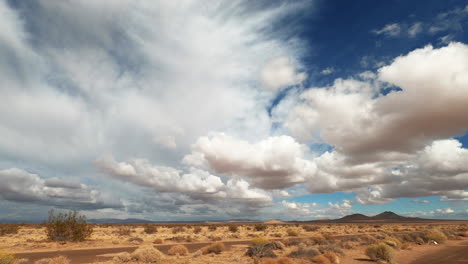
(233, 109)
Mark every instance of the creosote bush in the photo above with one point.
(436, 236)
(380, 251)
(67, 227)
(260, 227)
(233, 228)
(259, 241)
(150, 229)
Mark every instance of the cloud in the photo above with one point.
(415, 29)
(420, 201)
(391, 30)
(299, 208)
(327, 71)
(24, 187)
(280, 73)
(272, 163)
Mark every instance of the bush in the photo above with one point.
(216, 248)
(233, 228)
(304, 252)
(260, 227)
(197, 230)
(332, 257)
(311, 228)
(318, 240)
(178, 229)
(293, 232)
(150, 229)
(180, 250)
(393, 242)
(146, 255)
(123, 231)
(158, 241)
(6, 258)
(67, 227)
(320, 259)
(6, 229)
(212, 228)
(56, 260)
(436, 236)
(380, 251)
(259, 241)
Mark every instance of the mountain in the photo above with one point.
(118, 221)
(389, 216)
(354, 217)
(382, 217)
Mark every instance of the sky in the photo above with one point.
(233, 109)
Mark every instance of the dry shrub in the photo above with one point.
(56, 260)
(260, 227)
(331, 248)
(146, 254)
(278, 261)
(216, 248)
(6, 258)
(311, 228)
(463, 234)
(150, 229)
(393, 242)
(158, 241)
(332, 257)
(380, 251)
(321, 259)
(318, 240)
(259, 241)
(135, 240)
(197, 230)
(21, 261)
(67, 227)
(264, 250)
(304, 252)
(233, 228)
(7, 229)
(212, 228)
(178, 229)
(123, 231)
(293, 232)
(436, 236)
(180, 250)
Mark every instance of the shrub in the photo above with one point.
(380, 251)
(146, 254)
(178, 250)
(318, 240)
(197, 230)
(260, 227)
(67, 227)
(320, 259)
(310, 228)
(393, 242)
(56, 260)
(332, 257)
(307, 252)
(259, 241)
(6, 229)
(330, 248)
(178, 229)
(436, 236)
(6, 258)
(293, 232)
(123, 231)
(233, 228)
(212, 228)
(158, 241)
(150, 229)
(216, 248)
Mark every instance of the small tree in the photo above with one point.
(67, 227)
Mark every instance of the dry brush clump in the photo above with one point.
(67, 227)
(436, 236)
(215, 248)
(233, 228)
(265, 250)
(6, 258)
(260, 227)
(7, 229)
(145, 254)
(150, 229)
(310, 228)
(292, 232)
(380, 251)
(56, 260)
(259, 241)
(180, 250)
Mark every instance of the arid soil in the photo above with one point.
(350, 239)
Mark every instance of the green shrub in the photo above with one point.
(260, 227)
(6, 258)
(150, 229)
(380, 251)
(233, 228)
(436, 236)
(259, 241)
(67, 227)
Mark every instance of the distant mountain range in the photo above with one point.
(385, 216)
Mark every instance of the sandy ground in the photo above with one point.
(107, 241)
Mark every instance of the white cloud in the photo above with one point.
(327, 71)
(420, 201)
(415, 29)
(280, 73)
(273, 163)
(392, 30)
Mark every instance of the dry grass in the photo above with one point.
(6, 258)
(436, 236)
(7, 229)
(380, 251)
(293, 232)
(56, 260)
(259, 241)
(180, 250)
(216, 248)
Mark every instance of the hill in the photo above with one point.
(382, 217)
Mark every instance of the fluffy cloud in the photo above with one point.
(273, 163)
(21, 186)
(280, 73)
(299, 208)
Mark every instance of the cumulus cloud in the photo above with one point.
(280, 73)
(392, 30)
(21, 186)
(273, 163)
